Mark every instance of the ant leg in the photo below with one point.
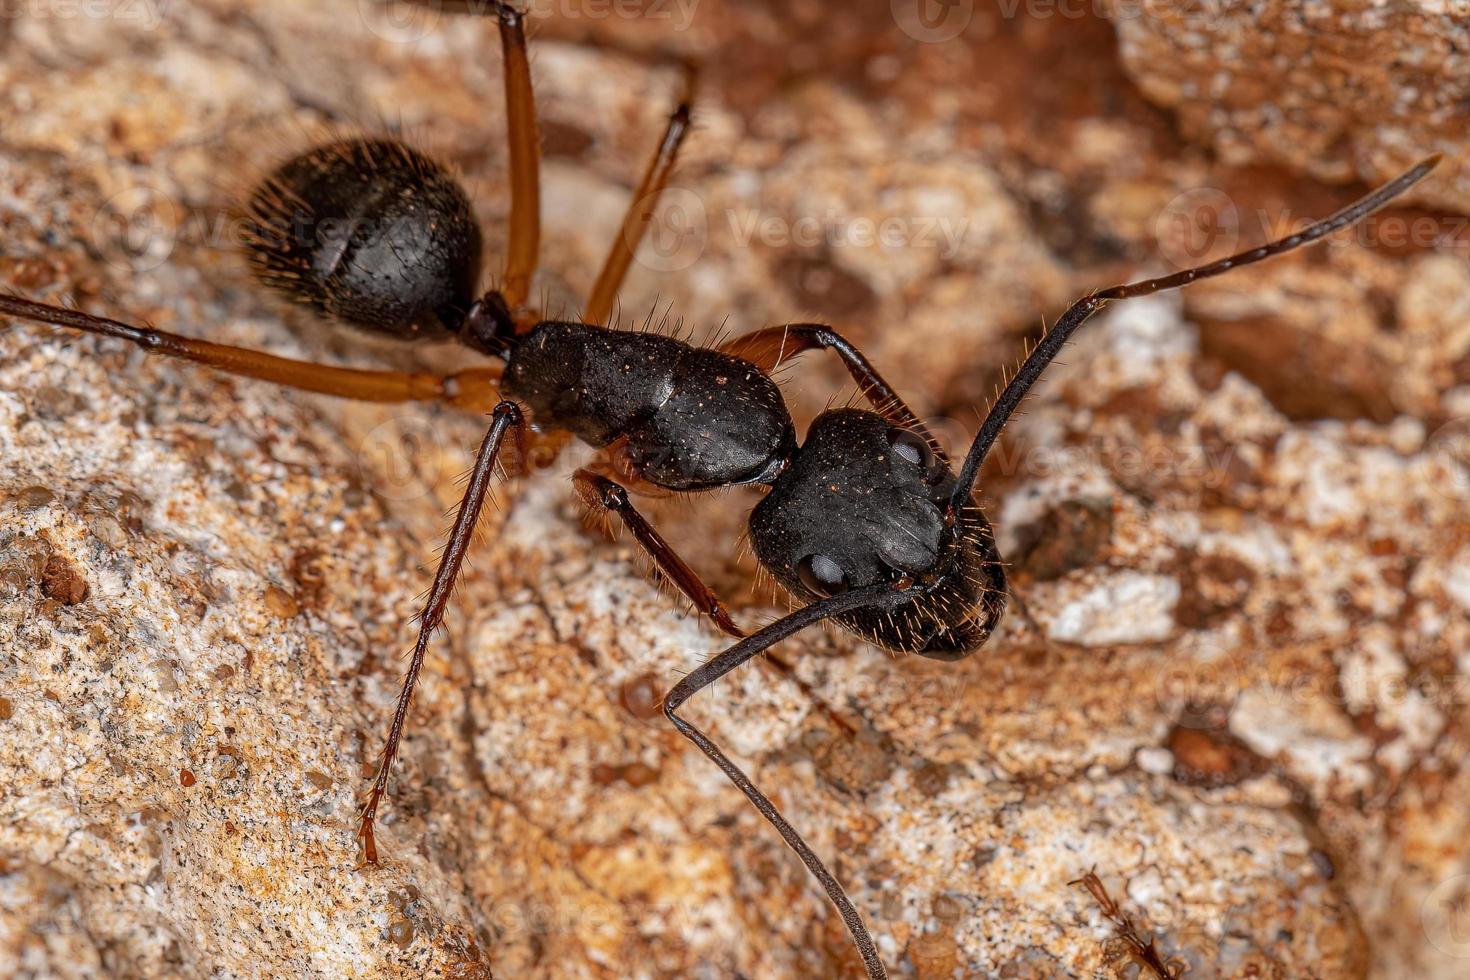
(507, 417)
(640, 211)
(1078, 313)
(524, 242)
(707, 673)
(608, 496)
(602, 494)
(768, 348)
(615, 463)
(471, 389)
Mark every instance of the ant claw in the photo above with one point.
(369, 845)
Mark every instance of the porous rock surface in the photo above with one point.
(1238, 518)
(1336, 90)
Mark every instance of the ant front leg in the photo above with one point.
(767, 349)
(507, 418)
(607, 496)
(640, 211)
(602, 494)
(877, 596)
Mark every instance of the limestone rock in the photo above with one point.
(1340, 91)
(1243, 707)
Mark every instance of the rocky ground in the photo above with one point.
(1237, 514)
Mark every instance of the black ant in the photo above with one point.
(866, 520)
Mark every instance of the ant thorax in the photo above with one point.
(690, 418)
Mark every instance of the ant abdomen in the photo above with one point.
(370, 232)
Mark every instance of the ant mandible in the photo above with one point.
(866, 520)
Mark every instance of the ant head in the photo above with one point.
(864, 502)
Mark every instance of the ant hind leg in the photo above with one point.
(472, 389)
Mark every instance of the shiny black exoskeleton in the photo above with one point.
(861, 502)
(368, 232)
(864, 502)
(376, 234)
(692, 418)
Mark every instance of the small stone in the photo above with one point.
(32, 497)
(1126, 607)
(858, 763)
(636, 774)
(109, 530)
(60, 580)
(1155, 761)
(641, 696)
(947, 909)
(931, 779)
(1211, 757)
(280, 603)
(400, 932)
(56, 404)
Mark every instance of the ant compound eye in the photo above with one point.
(912, 447)
(916, 451)
(822, 575)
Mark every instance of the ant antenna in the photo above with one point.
(1052, 344)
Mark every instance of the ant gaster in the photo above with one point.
(866, 519)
